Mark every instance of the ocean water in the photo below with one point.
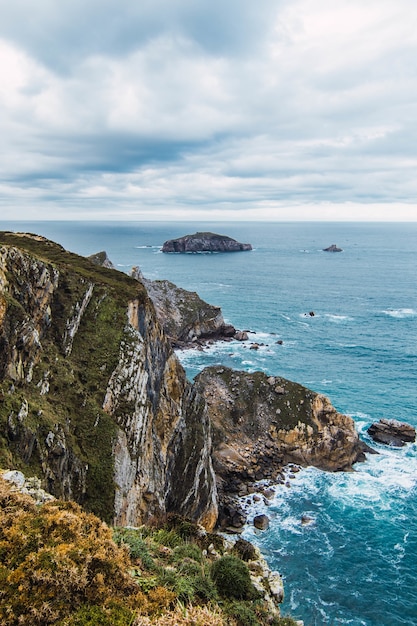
(356, 561)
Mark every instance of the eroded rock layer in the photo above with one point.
(262, 423)
(93, 400)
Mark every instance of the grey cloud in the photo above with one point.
(214, 105)
(60, 34)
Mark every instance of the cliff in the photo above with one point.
(204, 242)
(95, 403)
(261, 424)
(93, 400)
(184, 316)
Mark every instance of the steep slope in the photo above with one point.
(92, 398)
(184, 316)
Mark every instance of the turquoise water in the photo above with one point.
(356, 562)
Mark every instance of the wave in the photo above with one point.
(400, 313)
(338, 318)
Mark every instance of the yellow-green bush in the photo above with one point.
(55, 559)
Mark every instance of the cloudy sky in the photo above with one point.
(220, 109)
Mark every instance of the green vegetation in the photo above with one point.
(232, 578)
(74, 373)
(62, 566)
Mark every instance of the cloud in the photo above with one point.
(181, 108)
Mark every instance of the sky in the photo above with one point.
(210, 110)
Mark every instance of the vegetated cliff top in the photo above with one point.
(61, 565)
(54, 253)
(205, 242)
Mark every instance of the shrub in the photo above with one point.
(132, 538)
(54, 560)
(187, 551)
(242, 613)
(98, 616)
(232, 578)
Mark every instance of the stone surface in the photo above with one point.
(204, 242)
(101, 258)
(261, 522)
(260, 424)
(184, 316)
(392, 432)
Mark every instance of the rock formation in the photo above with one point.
(204, 242)
(94, 401)
(101, 258)
(262, 423)
(392, 432)
(184, 316)
(332, 248)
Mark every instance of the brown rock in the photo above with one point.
(261, 522)
(392, 432)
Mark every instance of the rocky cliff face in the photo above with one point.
(184, 316)
(92, 398)
(262, 423)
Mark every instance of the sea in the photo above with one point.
(356, 561)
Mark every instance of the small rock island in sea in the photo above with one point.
(332, 248)
(205, 242)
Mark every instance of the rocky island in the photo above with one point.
(333, 248)
(204, 242)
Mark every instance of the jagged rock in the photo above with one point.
(241, 335)
(184, 316)
(261, 522)
(332, 248)
(262, 423)
(204, 242)
(101, 258)
(97, 402)
(392, 432)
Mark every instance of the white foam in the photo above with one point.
(338, 318)
(400, 313)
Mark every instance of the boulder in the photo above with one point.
(261, 522)
(392, 432)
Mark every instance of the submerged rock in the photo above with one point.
(204, 242)
(392, 432)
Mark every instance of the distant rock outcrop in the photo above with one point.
(204, 242)
(392, 432)
(101, 258)
(332, 248)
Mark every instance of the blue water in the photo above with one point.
(356, 562)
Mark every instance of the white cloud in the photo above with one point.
(240, 108)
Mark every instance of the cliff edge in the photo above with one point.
(93, 399)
